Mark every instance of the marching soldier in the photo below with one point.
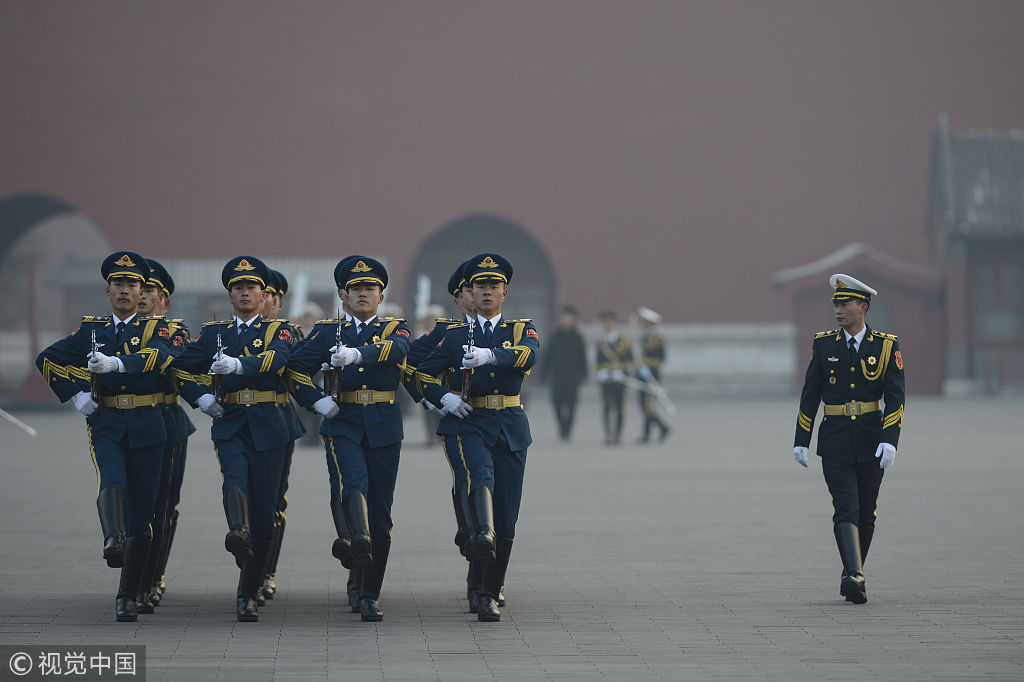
(614, 360)
(232, 372)
(120, 393)
(272, 305)
(652, 356)
(362, 425)
(853, 369)
(156, 301)
(494, 432)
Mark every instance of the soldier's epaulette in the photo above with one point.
(95, 318)
(213, 322)
(177, 320)
(278, 319)
(391, 318)
(885, 335)
(334, 321)
(445, 320)
(458, 325)
(525, 319)
(151, 317)
(821, 335)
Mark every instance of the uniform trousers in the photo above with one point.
(169, 490)
(257, 473)
(500, 469)
(854, 488)
(134, 472)
(356, 467)
(460, 472)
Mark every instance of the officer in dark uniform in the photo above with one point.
(362, 425)
(853, 370)
(232, 372)
(565, 367)
(614, 361)
(494, 432)
(119, 390)
(272, 305)
(156, 301)
(652, 357)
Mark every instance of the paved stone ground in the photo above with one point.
(707, 557)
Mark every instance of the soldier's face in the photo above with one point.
(151, 301)
(246, 298)
(272, 305)
(464, 300)
(124, 296)
(363, 300)
(488, 295)
(850, 313)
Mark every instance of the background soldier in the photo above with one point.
(565, 368)
(614, 360)
(156, 301)
(272, 306)
(362, 425)
(494, 432)
(652, 356)
(249, 430)
(120, 396)
(857, 440)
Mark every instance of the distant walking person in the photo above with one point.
(652, 356)
(565, 367)
(614, 359)
(852, 370)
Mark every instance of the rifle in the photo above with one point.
(218, 379)
(467, 374)
(93, 378)
(335, 376)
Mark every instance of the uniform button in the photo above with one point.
(851, 369)
(364, 387)
(495, 390)
(124, 388)
(492, 375)
(853, 386)
(361, 369)
(853, 417)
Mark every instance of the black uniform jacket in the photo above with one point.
(834, 378)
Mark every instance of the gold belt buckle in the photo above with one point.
(247, 396)
(493, 402)
(851, 409)
(124, 402)
(364, 397)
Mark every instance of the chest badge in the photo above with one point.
(376, 339)
(831, 380)
(506, 344)
(135, 341)
(833, 359)
(872, 360)
(257, 343)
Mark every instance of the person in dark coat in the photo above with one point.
(565, 368)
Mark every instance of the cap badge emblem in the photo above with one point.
(244, 265)
(124, 261)
(361, 267)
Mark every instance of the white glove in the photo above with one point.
(644, 372)
(477, 357)
(887, 453)
(84, 403)
(453, 404)
(209, 405)
(603, 375)
(800, 455)
(618, 375)
(225, 364)
(343, 356)
(326, 407)
(325, 368)
(430, 407)
(104, 364)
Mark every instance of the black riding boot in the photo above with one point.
(144, 602)
(237, 541)
(462, 531)
(462, 500)
(342, 547)
(474, 583)
(481, 505)
(249, 579)
(135, 551)
(159, 576)
(358, 521)
(494, 579)
(110, 505)
(373, 579)
(355, 582)
(848, 541)
(269, 580)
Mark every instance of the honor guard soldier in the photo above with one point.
(156, 301)
(494, 433)
(652, 357)
(362, 425)
(119, 390)
(232, 372)
(614, 360)
(853, 370)
(272, 305)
